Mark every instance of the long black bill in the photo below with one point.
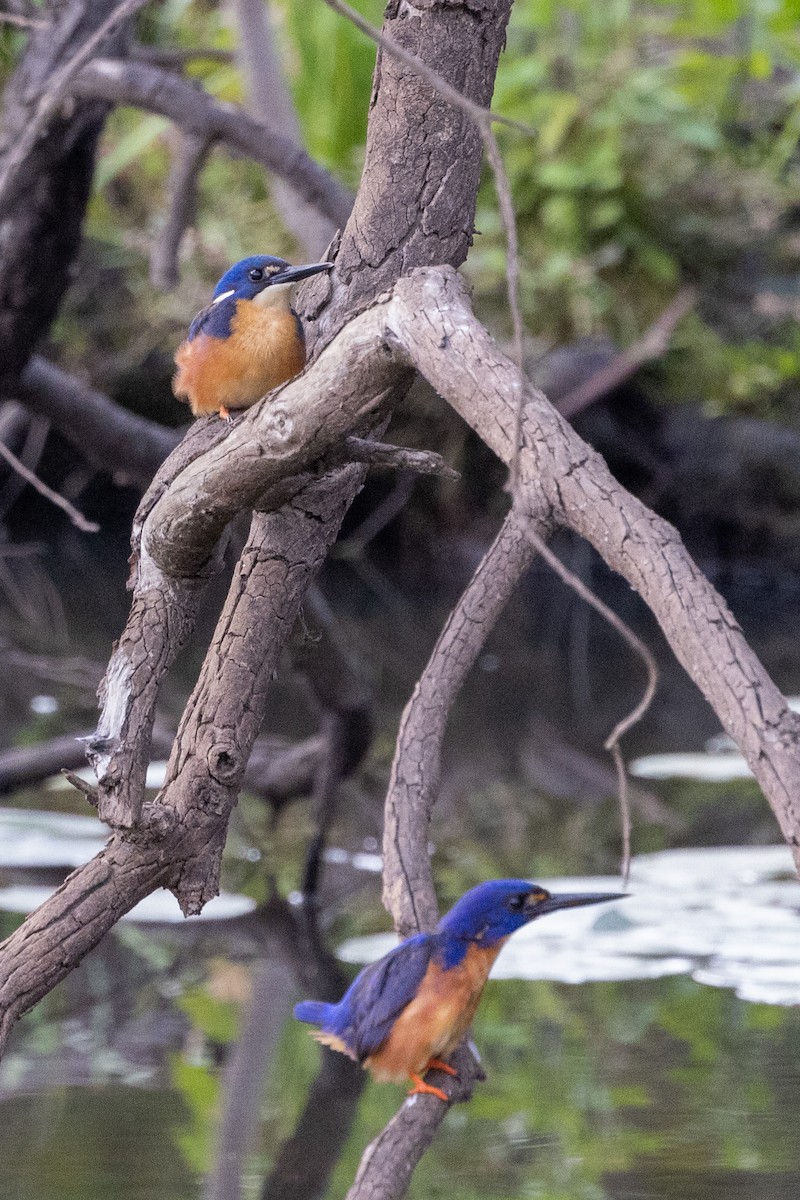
(295, 274)
(575, 900)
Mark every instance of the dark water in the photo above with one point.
(116, 1085)
(592, 1092)
(667, 1089)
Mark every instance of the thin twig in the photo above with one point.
(612, 741)
(51, 99)
(509, 219)
(653, 343)
(141, 85)
(74, 515)
(624, 810)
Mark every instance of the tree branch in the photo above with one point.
(108, 437)
(428, 323)
(398, 458)
(77, 518)
(188, 160)
(558, 467)
(408, 891)
(653, 344)
(55, 92)
(144, 86)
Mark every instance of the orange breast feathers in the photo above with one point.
(432, 1025)
(265, 347)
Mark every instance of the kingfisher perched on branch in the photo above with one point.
(407, 1012)
(249, 339)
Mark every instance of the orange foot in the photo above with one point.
(436, 1064)
(224, 413)
(421, 1088)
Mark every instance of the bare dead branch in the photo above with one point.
(653, 344)
(109, 437)
(82, 785)
(187, 164)
(414, 784)
(398, 458)
(389, 1161)
(56, 91)
(158, 91)
(77, 518)
(428, 321)
(481, 384)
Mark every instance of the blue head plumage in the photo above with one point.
(492, 911)
(246, 280)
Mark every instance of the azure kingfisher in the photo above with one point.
(405, 1013)
(249, 339)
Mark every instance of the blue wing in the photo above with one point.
(375, 999)
(214, 321)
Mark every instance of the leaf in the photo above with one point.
(128, 148)
(564, 108)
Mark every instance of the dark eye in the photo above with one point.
(517, 903)
(255, 274)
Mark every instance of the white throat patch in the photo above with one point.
(277, 295)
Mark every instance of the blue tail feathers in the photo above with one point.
(314, 1012)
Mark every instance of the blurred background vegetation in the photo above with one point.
(667, 151)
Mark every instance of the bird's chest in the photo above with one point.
(267, 343)
(433, 1023)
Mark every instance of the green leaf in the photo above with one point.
(128, 148)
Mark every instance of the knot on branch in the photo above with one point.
(276, 426)
(224, 762)
(158, 819)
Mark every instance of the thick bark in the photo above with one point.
(400, 219)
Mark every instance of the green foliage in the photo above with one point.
(330, 67)
(667, 150)
(667, 147)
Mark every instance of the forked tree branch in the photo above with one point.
(428, 323)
